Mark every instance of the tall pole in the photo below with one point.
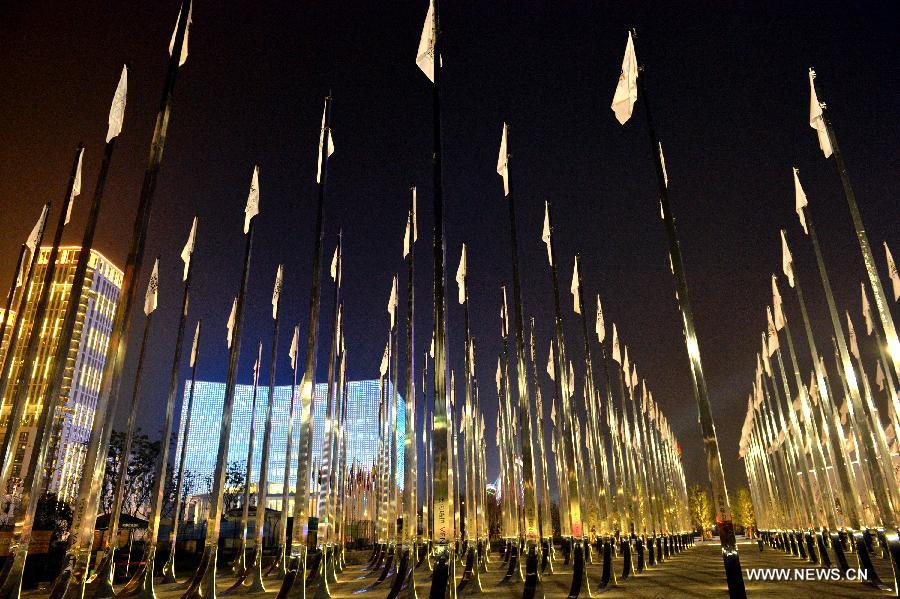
(79, 551)
(722, 507)
(294, 585)
(281, 561)
(14, 284)
(410, 442)
(203, 582)
(142, 581)
(169, 567)
(239, 566)
(35, 480)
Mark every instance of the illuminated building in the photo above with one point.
(84, 363)
(206, 421)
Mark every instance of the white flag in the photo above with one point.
(295, 346)
(431, 348)
(504, 314)
(816, 119)
(662, 162)
(406, 239)
(866, 310)
(472, 358)
(231, 319)
(117, 110)
(461, 276)
(600, 327)
(76, 187)
(188, 250)
(616, 352)
(545, 234)
(576, 284)
(321, 143)
(813, 388)
(626, 366)
(334, 264)
(854, 346)
(196, 346)
(776, 305)
(626, 90)
(414, 222)
(551, 368)
(800, 200)
(37, 233)
(425, 53)
(879, 376)
(570, 383)
(384, 361)
(257, 364)
(392, 301)
(184, 45)
(503, 161)
(787, 261)
(151, 298)
(19, 270)
(252, 208)
(772, 341)
(498, 376)
(276, 291)
(892, 272)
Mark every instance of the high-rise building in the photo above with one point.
(363, 399)
(84, 363)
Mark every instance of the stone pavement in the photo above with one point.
(696, 572)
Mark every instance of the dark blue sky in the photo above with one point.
(730, 98)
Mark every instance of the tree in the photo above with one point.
(744, 516)
(53, 514)
(701, 509)
(234, 486)
(138, 475)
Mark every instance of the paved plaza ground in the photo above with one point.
(696, 572)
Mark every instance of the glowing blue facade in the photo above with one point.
(203, 441)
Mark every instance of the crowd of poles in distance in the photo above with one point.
(820, 457)
(620, 482)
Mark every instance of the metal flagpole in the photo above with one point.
(203, 582)
(717, 477)
(14, 285)
(22, 381)
(239, 565)
(532, 524)
(81, 539)
(100, 586)
(35, 479)
(302, 538)
(254, 570)
(142, 582)
(169, 566)
(280, 565)
(546, 526)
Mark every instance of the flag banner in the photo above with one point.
(425, 53)
(461, 276)
(504, 314)
(854, 346)
(800, 200)
(787, 261)
(503, 161)
(772, 341)
(407, 242)
(151, 298)
(600, 327)
(813, 388)
(334, 265)
(184, 45)
(626, 90)
(626, 367)
(662, 163)
(616, 352)
(879, 376)
(892, 272)
(188, 250)
(776, 305)
(196, 346)
(498, 376)
(384, 360)
(576, 283)
(117, 110)
(392, 302)
(230, 324)
(866, 310)
(38, 231)
(252, 208)
(634, 377)
(570, 383)
(276, 290)
(295, 346)
(545, 234)
(431, 348)
(76, 187)
(322, 143)
(551, 368)
(816, 118)
(256, 364)
(19, 270)
(472, 359)
(415, 225)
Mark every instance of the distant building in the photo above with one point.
(84, 364)
(363, 399)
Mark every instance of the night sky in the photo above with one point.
(730, 96)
